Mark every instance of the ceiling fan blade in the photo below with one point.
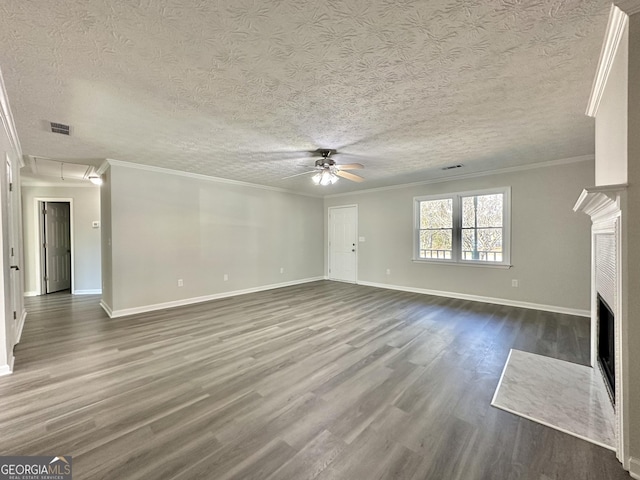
(298, 174)
(349, 176)
(350, 166)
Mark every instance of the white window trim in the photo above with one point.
(457, 228)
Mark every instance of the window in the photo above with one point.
(466, 227)
(436, 228)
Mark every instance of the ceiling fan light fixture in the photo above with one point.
(325, 178)
(327, 172)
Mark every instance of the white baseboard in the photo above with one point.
(7, 369)
(23, 317)
(479, 298)
(206, 298)
(106, 308)
(30, 294)
(634, 468)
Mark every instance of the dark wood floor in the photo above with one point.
(319, 381)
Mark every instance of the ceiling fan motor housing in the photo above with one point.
(325, 162)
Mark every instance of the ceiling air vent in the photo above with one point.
(451, 167)
(59, 128)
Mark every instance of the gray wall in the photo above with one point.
(105, 235)
(631, 255)
(550, 249)
(86, 239)
(166, 227)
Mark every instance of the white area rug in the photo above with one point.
(566, 396)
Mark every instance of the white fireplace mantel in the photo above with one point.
(600, 202)
(605, 205)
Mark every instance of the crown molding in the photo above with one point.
(8, 123)
(630, 7)
(552, 163)
(615, 28)
(499, 171)
(197, 176)
(104, 166)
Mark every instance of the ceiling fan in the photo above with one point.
(327, 171)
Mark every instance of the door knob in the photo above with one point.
(15, 267)
(353, 249)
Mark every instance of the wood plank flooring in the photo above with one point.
(319, 381)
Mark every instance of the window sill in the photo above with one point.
(502, 266)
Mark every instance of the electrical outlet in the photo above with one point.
(388, 271)
(514, 283)
(281, 269)
(225, 277)
(180, 282)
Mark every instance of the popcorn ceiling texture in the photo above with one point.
(234, 88)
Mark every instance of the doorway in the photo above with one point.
(55, 246)
(343, 239)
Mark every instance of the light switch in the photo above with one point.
(95, 224)
(361, 239)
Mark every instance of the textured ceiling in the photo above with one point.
(234, 88)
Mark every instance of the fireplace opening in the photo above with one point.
(606, 346)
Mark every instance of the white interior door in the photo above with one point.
(14, 276)
(57, 246)
(343, 239)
